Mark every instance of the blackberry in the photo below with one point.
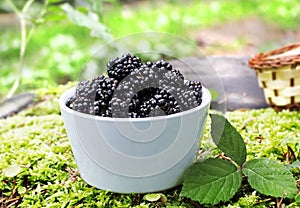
(149, 109)
(135, 89)
(104, 94)
(70, 101)
(173, 76)
(120, 67)
(196, 86)
(160, 103)
(93, 96)
(83, 101)
(187, 100)
(163, 64)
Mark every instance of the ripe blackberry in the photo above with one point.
(150, 109)
(164, 64)
(160, 103)
(184, 97)
(104, 94)
(187, 100)
(70, 101)
(173, 77)
(120, 67)
(83, 101)
(196, 86)
(93, 96)
(161, 66)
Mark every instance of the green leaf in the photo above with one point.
(270, 178)
(163, 197)
(214, 94)
(21, 190)
(12, 170)
(297, 198)
(152, 197)
(96, 6)
(211, 181)
(89, 21)
(227, 139)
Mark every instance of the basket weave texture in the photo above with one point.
(278, 73)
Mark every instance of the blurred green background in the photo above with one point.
(61, 37)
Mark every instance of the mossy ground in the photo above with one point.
(35, 140)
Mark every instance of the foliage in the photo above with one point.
(36, 142)
(214, 180)
(182, 17)
(29, 21)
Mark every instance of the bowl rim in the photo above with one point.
(206, 99)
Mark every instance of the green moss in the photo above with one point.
(267, 133)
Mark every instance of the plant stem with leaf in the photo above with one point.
(25, 37)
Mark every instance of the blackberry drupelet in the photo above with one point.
(120, 67)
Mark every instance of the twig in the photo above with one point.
(279, 202)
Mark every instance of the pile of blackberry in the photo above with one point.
(134, 89)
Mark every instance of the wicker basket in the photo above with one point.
(278, 73)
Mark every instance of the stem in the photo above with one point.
(24, 42)
(230, 160)
(13, 7)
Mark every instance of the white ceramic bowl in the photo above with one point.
(138, 155)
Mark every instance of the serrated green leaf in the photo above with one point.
(211, 181)
(228, 139)
(12, 170)
(270, 178)
(152, 197)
